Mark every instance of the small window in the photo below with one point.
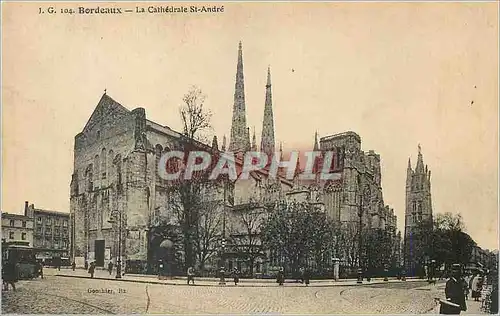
(65, 223)
(49, 221)
(39, 220)
(98, 135)
(24, 224)
(11, 235)
(12, 223)
(23, 236)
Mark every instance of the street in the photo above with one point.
(57, 294)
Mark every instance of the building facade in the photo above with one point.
(16, 227)
(51, 232)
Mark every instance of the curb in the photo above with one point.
(241, 285)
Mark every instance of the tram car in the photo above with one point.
(22, 254)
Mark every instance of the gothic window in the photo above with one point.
(110, 171)
(23, 236)
(419, 209)
(11, 235)
(414, 206)
(104, 163)
(98, 135)
(24, 224)
(118, 162)
(12, 223)
(96, 167)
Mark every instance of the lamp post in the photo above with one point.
(119, 261)
(222, 280)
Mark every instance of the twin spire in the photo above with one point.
(240, 133)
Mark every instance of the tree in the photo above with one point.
(245, 233)
(208, 232)
(443, 240)
(299, 232)
(188, 197)
(347, 245)
(195, 118)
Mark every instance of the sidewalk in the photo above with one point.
(473, 307)
(151, 279)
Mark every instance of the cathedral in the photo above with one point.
(118, 203)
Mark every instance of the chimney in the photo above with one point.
(26, 208)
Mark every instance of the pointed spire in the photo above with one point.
(248, 143)
(224, 143)
(215, 145)
(254, 141)
(409, 163)
(267, 144)
(316, 144)
(420, 161)
(240, 138)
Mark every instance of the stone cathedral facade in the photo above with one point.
(115, 176)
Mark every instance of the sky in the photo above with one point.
(398, 74)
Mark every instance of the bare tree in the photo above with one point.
(208, 232)
(186, 197)
(246, 233)
(195, 118)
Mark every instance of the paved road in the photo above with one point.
(75, 295)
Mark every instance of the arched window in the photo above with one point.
(118, 162)
(97, 170)
(104, 162)
(110, 171)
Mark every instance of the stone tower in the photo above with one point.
(267, 140)
(418, 206)
(240, 137)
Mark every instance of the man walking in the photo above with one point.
(40, 268)
(92, 269)
(110, 267)
(280, 278)
(454, 292)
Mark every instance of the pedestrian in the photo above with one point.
(86, 265)
(236, 276)
(10, 275)
(73, 266)
(476, 287)
(280, 277)
(466, 286)
(190, 275)
(306, 277)
(455, 297)
(110, 267)
(92, 269)
(40, 269)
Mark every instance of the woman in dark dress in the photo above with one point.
(306, 277)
